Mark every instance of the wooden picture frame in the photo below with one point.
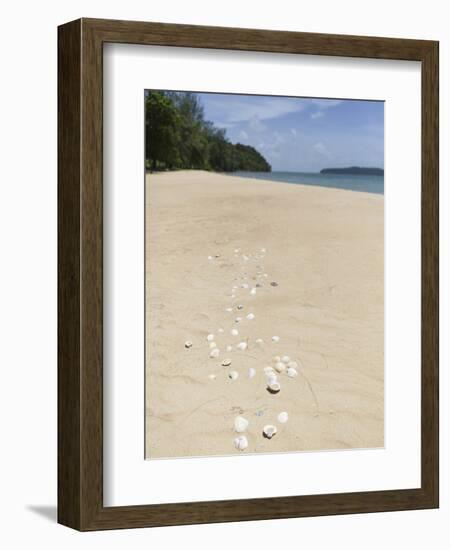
(80, 272)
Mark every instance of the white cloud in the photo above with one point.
(320, 148)
(294, 132)
(326, 103)
(238, 109)
(243, 135)
(317, 114)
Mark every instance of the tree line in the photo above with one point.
(177, 136)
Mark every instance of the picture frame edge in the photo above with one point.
(80, 414)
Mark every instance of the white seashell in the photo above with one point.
(226, 362)
(269, 370)
(214, 353)
(276, 358)
(250, 316)
(263, 250)
(236, 250)
(283, 417)
(238, 319)
(212, 345)
(280, 367)
(188, 344)
(265, 275)
(229, 309)
(251, 372)
(220, 330)
(242, 346)
(291, 372)
(293, 364)
(269, 431)
(271, 378)
(212, 376)
(244, 285)
(253, 291)
(285, 359)
(229, 348)
(210, 257)
(259, 341)
(241, 443)
(234, 332)
(210, 337)
(273, 387)
(240, 424)
(240, 306)
(275, 338)
(233, 375)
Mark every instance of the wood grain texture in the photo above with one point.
(80, 264)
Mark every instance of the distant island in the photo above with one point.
(177, 137)
(356, 170)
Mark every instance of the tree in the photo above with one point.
(161, 130)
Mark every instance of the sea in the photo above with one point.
(353, 182)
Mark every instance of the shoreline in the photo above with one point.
(324, 249)
(241, 175)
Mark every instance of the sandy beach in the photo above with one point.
(314, 257)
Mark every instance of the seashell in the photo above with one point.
(244, 285)
(234, 332)
(226, 362)
(240, 424)
(263, 250)
(214, 353)
(293, 364)
(283, 417)
(242, 346)
(259, 341)
(240, 306)
(212, 345)
(251, 372)
(212, 376)
(275, 338)
(291, 372)
(273, 387)
(229, 309)
(250, 316)
(236, 250)
(258, 285)
(271, 378)
(233, 375)
(265, 275)
(238, 319)
(269, 431)
(280, 367)
(241, 443)
(285, 359)
(276, 358)
(210, 337)
(210, 257)
(253, 291)
(229, 348)
(220, 330)
(188, 344)
(273, 283)
(244, 257)
(269, 370)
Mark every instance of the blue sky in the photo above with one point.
(304, 135)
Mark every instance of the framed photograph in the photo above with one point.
(248, 274)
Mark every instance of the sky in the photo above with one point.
(302, 134)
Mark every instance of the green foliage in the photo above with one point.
(178, 136)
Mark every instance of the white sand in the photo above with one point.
(324, 248)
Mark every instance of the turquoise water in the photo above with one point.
(368, 184)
